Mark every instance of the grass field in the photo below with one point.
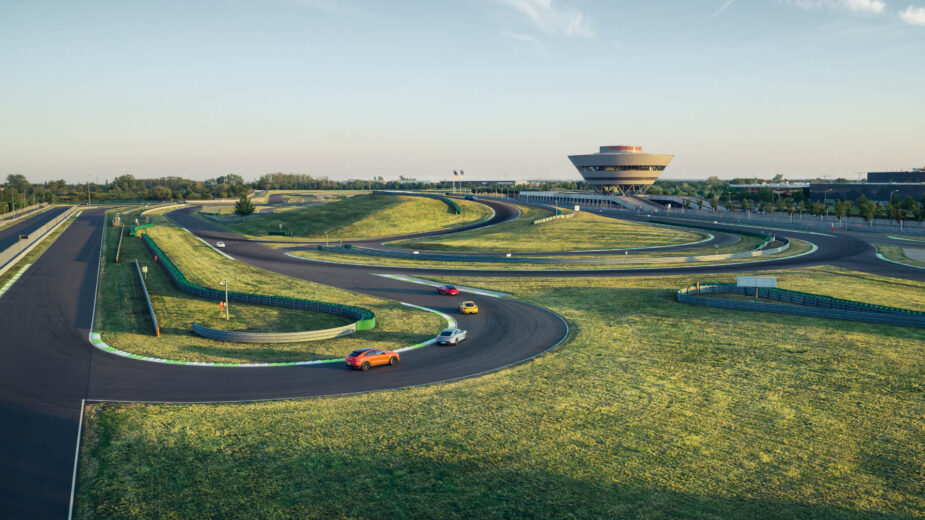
(653, 409)
(362, 216)
(796, 247)
(896, 253)
(582, 232)
(123, 320)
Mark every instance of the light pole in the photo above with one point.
(224, 283)
(325, 239)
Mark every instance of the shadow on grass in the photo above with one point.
(239, 478)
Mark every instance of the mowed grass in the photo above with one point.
(362, 216)
(897, 254)
(797, 247)
(652, 409)
(122, 315)
(583, 232)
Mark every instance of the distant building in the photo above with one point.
(874, 191)
(916, 175)
(620, 169)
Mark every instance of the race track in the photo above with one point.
(48, 367)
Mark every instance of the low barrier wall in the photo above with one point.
(366, 319)
(272, 337)
(144, 289)
(20, 213)
(11, 253)
(806, 304)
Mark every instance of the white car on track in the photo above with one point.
(219, 244)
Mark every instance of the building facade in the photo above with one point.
(617, 170)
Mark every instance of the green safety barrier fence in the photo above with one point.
(133, 232)
(802, 298)
(366, 319)
(281, 233)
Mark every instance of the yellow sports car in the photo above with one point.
(468, 308)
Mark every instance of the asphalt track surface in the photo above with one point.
(10, 235)
(48, 366)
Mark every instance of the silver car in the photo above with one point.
(452, 336)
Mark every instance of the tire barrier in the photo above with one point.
(801, 304)
(144, 289)
(280, 233)
(366, 319)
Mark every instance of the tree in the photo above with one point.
(818, 208)
(244, 206)
(841, 208)
(714, 201)
(779, 178)
(700, 203)
(18, 182)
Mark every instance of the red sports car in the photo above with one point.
(365, 358)
(449, 290)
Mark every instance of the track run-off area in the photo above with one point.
(49, 369)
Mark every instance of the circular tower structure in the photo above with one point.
(620, 169)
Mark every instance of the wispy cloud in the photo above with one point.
(551, 18)
(913, 15)
(521, 37)
(863, 7)
(723, 8)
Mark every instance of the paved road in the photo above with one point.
(10, 235)
(47, 366)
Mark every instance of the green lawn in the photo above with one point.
(652, 409)
(362, 216)
(748, 243)
(896, 253)
(582, 232)
(123, 320)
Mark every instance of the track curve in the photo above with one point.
(48, 367)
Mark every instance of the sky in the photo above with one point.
(503, 89)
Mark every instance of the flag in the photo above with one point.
(460, 173)
(454, 173)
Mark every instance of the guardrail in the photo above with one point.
(8, 255)
(119, 247)
(366, 319)
(802, 304)
(554, 217)
(20, 213)
(144, 289)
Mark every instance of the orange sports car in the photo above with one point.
(365, 358)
